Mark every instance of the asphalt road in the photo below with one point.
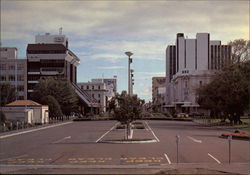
(80, 144)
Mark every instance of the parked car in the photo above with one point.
(196, 114)
(182, 115)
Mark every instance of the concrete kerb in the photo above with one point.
(128, 141)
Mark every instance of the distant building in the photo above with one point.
(97, 91)
(191, 63)
(26, 111)
(158, 93)
(110, 83)
(14, 71)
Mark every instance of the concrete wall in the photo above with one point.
(202, 51)
(181, 51)
(190, 54)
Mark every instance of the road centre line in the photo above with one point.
(25, 155)
(69, 137)
(195, 140)
(166, 156)
(33, 130)
(214, 158)
(106, 133)
(152, 132)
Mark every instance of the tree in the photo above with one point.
(2, 117)
(60, 89)
(55, 111)
(8, 93)
(128, 109)
(112, 104)
(228, 92)
(240, 50)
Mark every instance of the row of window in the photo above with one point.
(99, 95)
(11, 78)
(11, 66)
(93, 87)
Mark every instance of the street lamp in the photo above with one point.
(129, 62)
(132, 80)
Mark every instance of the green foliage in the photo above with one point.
(129, 108)
(111, 104)
(228, 92)
(2, 117)
(8, 93)
(60, 89)
(240, 50)
(54, 107)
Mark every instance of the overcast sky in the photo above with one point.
(100, 32)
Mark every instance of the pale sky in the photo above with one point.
(100, 32)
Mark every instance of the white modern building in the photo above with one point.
(191, 63)
(97, 91)
(110, 83)
(13, 71)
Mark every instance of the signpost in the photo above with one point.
(177, 144)
(229, 144)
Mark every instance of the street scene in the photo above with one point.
(124, 87)
(83, 146)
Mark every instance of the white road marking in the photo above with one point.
(214, 158)
(33, 130)
(25, 155)
(106, 133)
(69, 137)
(169, 162)
(152, 132)
(195, 140)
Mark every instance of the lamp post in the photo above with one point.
(129, 77)
(132, 80)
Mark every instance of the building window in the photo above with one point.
(99, 87)
(81, 87)
(11, 77)
(99, 101)
(2, 66)
(20, 67)
(20, 78)
(99, 95)
(93, 95)
(20, 88)
(200, 83)
(11, 67)
(93, 87)
(87, 87)
(3, 78)
(20, 98)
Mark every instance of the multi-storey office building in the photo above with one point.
(13, 71)
(158, 93)
(50, 56)
(97, 91)
(189, 64)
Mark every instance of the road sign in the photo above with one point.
(229, 149)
